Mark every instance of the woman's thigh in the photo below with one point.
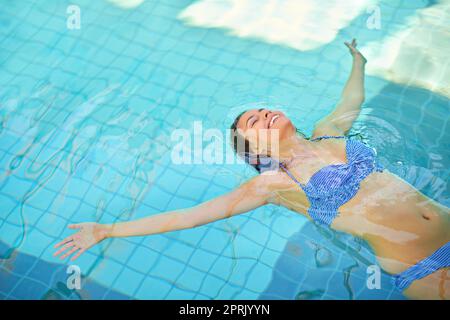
(435, 286)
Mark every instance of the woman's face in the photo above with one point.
(259, 125)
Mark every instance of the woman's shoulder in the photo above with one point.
(273, 182)
(325, 137)
(279, 187)
(324, 129)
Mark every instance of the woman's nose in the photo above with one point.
(266, 113)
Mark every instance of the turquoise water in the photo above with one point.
(87, 117)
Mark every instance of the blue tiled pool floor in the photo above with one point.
(26, 277)
(86, 117)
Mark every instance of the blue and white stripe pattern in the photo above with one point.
(439, 259)
(332, 186)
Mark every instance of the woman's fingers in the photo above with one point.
(68, 253)
(349, 46)
(68, 239)
(64, 248)
(77, 254)
(352, 45)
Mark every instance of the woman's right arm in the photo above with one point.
(250, 195)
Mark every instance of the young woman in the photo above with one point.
(329, 178)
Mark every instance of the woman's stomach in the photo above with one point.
(402, 225)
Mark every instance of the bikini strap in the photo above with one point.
(327, 137)
(283, 167)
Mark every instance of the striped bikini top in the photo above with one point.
(334, 185)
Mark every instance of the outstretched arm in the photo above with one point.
(341, 119)
(248, 196)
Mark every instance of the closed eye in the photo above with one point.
(251, 121)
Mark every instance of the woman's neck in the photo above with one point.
(295, 147)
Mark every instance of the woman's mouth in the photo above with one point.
(272, 121)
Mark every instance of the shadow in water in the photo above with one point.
(319, 263)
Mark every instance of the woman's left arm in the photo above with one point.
(341, 119)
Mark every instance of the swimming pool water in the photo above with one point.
(86, 117)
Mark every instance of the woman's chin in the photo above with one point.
(285, 129)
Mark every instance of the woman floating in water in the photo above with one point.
(329, 178)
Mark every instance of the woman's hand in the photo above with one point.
(357, 55)
(89, 234)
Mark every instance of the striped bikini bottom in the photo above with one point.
(438, 260)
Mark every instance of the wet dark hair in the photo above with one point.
(246, 154)
(258, 162)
